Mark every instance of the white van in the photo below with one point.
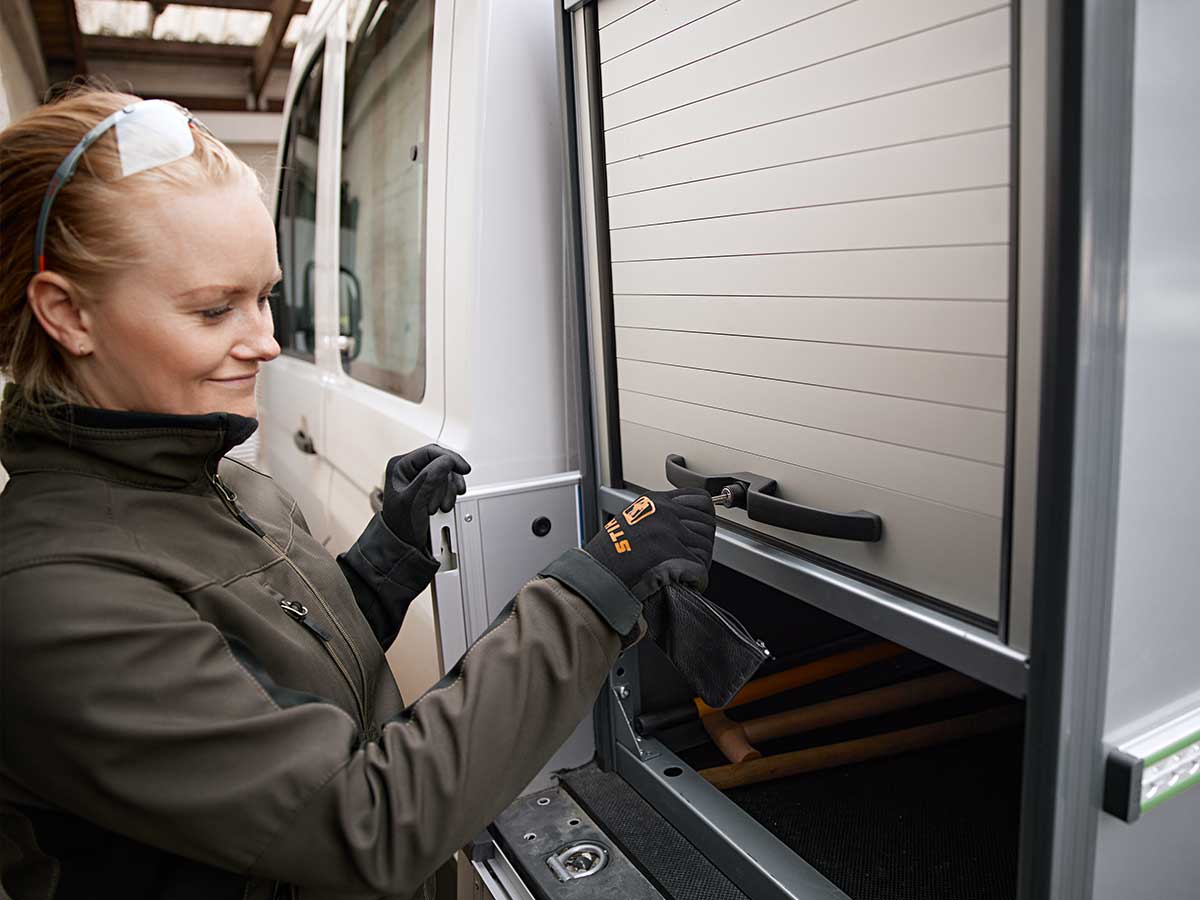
(909, 278)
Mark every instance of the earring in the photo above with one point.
(81, 350)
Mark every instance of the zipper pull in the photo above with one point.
(299, 612)
(227, 494)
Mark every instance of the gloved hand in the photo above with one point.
(659, 539)
(418, 484)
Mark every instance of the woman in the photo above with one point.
(195, 697)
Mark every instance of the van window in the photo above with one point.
(382, 278)
(296, 223)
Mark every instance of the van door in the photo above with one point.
(386, 396)
(292, 411)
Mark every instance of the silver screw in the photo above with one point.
(543, 801)
(622, 691)
(468, 518)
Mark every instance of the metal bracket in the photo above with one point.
(627, 735)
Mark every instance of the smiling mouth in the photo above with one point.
(238, 379)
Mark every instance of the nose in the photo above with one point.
(257, 343)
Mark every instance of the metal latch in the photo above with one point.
(578, 861)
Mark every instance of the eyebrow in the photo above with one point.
(222, 291)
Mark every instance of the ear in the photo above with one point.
(56, 304)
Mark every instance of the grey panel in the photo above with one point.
(647, 23)
(609, 11)
(960, 106)
(953, 430)
(958, 162)
(974, 381)
(965, 48)
(1153, 661)
(968, 273)
(511, 552)
(948, 480)
(947, 326)
(846, 30)
(728, 25)
(947, 553)
(810, 254)
(946, 219)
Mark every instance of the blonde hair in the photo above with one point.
(89, 236)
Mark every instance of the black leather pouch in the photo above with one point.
(711, 649)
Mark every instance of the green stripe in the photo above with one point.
(1167, 751)
(1178, 789)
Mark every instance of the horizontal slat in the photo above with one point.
(608, 11)
(652, 22)
(845, 32)
(944, 164)
(975, 381)
(727, 27)
(965, 217)
(961, 483)
(955, 430)
(943, 552)
(949, 326)
(952, 51)
(969, 273)
(964, 105)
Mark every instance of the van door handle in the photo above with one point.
(304, 442)
(376, 499)
(756, 495)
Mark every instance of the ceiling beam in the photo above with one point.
(200, 103)
(281, 16)
(252, 5)
(103, 46)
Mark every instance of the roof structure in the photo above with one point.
(205, 54)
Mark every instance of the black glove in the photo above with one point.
(418, 484)
(659, 539)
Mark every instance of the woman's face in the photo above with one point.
(186, 330)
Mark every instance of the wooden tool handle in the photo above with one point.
(876, 746)
(729, 736)
(818, 670)
(904, 695)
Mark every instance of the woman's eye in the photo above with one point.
(216, 312)
(264, 300)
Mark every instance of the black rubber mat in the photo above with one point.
(940, 824)
(665, 856)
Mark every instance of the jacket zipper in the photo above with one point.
(229, 498)
(299, 612)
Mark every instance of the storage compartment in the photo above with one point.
(939, 819)
(803, 222)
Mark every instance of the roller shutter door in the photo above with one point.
(809, 212)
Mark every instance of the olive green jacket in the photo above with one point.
(194, 693)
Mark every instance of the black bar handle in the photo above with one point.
(304, 442)
(756, 495)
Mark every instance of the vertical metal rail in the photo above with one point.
(1080, 428)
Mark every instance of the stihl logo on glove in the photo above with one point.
(641, 508)
(616, 536)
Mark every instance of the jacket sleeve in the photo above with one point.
(386, 575)
(122, 706)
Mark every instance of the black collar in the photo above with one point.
(151, 450)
